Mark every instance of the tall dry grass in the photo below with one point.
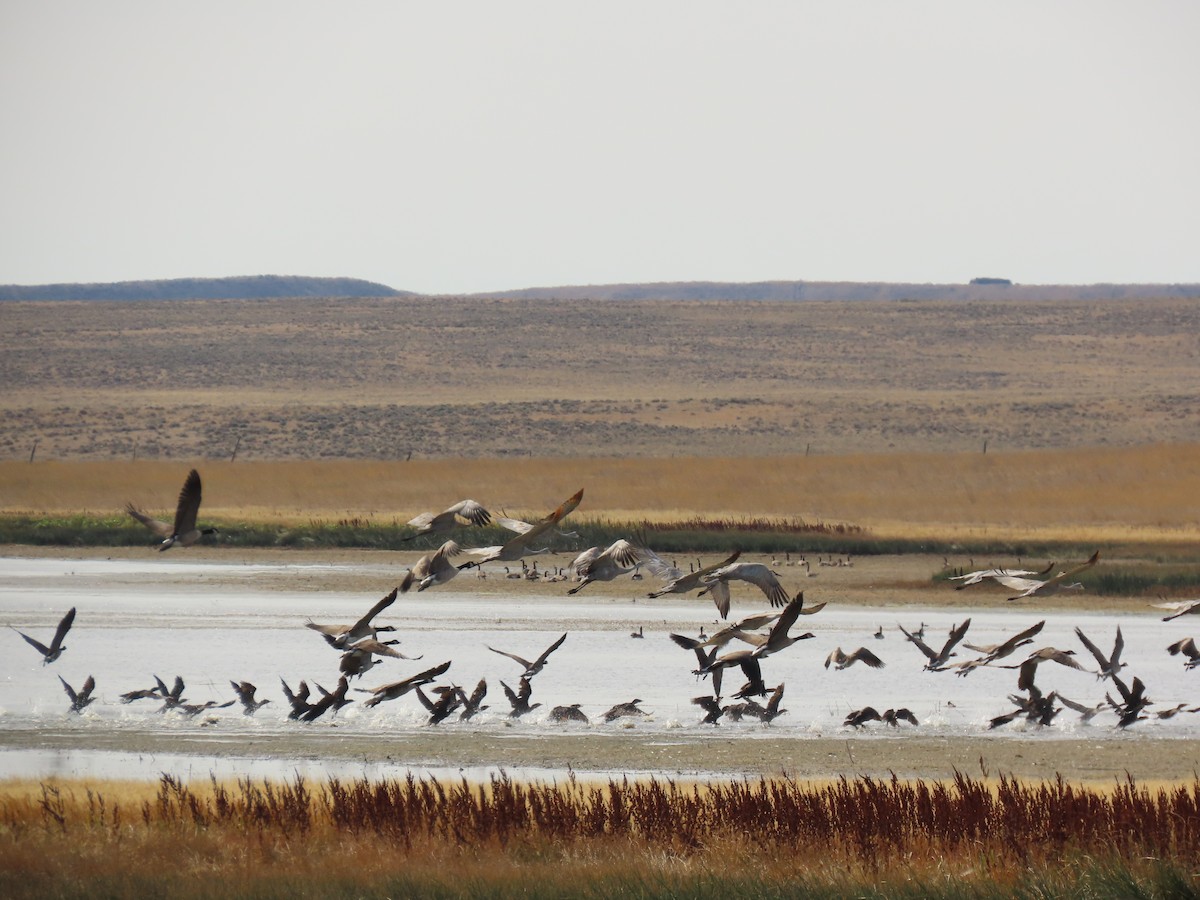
(650, 838)
(1097, 494)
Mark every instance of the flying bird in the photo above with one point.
(183, 531)
(624, 710)
(342, 636)
(359, 657)
(1109, 665)
(595, 564)
(81, 698)
(468, 511)
(519, 547)
(938, 659)
(842, 660)
(679, 582)
(56, 648)
(433, 568)
(997, 574)
(993, 652)
(1183, 608)
(1046, 654)
(762, 577)
(1187, 648)
(245, 693)
(534, 666)
(398, 689)
(570, 713)
(778, 637)
(1030, 587)
(519, 700)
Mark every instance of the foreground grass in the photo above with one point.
(647, 838)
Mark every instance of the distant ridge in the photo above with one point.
(235, 288)
(979, 289)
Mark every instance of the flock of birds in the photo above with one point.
(756, 638)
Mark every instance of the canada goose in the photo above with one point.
(173, 697)
(993, 652)
(469, 511)
(519, 700)
(183, 531)
(1046, 654)
(595, 564)
(738, 711)
(1109, 665)
(342, 636)
(982, 575)
(56, 648)
(79, 699)
(334, 700)
(772, 711)
(859, 717)
(841, 660)
(1186, 647)
(1133, 701)
(879, 635)
(399, 688)
(723, 636)
(704, 659)
(359, 657)
(894, 717)
(937, 660)
(518, 547)
(778, 638)
(748, 662)
(570, 713)
(532, 668)
(1035, 708)
(1086, 713)
(433, 568)
(712, 708)
(1183, 608)
(245, 693)
(1028, 587)
(638, 633)
(474, 703)
(439, 710)
(717, 583)
(194, 709)
(623, 710)
(141, 694)
(298, 698)
(677, 581)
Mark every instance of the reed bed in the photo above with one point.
(622, 838)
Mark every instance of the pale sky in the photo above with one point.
(472, 146)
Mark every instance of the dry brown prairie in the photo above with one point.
(448, 378)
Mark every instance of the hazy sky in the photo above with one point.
(456, 147)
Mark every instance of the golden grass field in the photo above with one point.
(1142, 495)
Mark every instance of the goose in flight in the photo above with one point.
(679, 582)
(432, 569)
(938, 659)
(398, 689)
(1086, 713)
(56, 648)
(359, 657)
(625, 710)
(519, 700)
(297, 698)
(772, 711)
(534, 666)
(712, 708)
(993, 652)
(440, 709)
(595, 564)
(342, 636)
(518, 547)
(859, 717)
(1133, 701)
(1109, 665)
(474, 703)
(1030, 587)
(1186, 648)
(468, 511)
(762, 577)
(997, 574)
(334, 700)
(1046, 654)
(570, 713)
(81, 698)
(842, 660)
(183, 531)
(723, 636)
(894, 717)
(778, 637)
(245, 693)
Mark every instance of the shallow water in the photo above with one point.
(210, 624)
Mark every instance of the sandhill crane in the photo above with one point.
(398, 689)
(625, 710)
(245, 693)
(1029, 587)
(677, 581)
(342, 636)
(595, 564)
(938, 659)
(1187, 648)
(432, 569)
(183, 531)
(81, 698)
(1182, 608)
(519, 700)
(1046, 654)
(842, 660)
(766, 580)
(518, 547)
(469, 511)
(534, 666)
(1109, 665)
(56, 648)
(982, 575)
